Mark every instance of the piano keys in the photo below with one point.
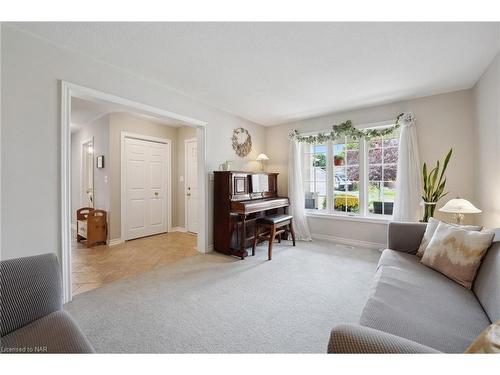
(239, 199)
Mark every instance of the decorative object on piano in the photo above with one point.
(261, 158)
(242, 142)
(100, 161)
(226, 166)
(346, 129)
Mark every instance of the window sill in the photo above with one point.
(360, 219)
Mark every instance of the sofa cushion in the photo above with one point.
(420, 304)
(457, 253)
(488, 342)
(54, 333)
(431, 229)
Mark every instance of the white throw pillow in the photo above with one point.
(431, 228)
(457, 253)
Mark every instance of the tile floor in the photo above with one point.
(96, 266)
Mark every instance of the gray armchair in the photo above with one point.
(32, 318)
(353, 338)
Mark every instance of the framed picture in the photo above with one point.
(240, 185)
(100, 161)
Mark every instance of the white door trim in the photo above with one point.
(168, 178)
(69, 90)
(186, 141)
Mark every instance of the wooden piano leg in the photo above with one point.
(284, 235)
(255, 235)
(271, 240)
(292, 231)
(243, 236)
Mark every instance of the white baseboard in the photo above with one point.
(178, 229)
(349, 241)
(115, 241)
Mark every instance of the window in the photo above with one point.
(382, 167)
(345, 176)
(315, 171)
(352, 177)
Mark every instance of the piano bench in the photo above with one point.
(273, 225)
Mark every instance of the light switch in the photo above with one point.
(105, 179)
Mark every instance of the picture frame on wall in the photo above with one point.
(100, 161)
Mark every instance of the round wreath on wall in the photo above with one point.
(242, 142)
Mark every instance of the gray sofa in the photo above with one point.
(32, 319)
(414, 309)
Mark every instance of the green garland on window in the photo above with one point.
(346, 129)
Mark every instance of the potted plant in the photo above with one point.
(346, 202)
(338, 160)
(434, 183)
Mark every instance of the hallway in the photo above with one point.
(96, 266)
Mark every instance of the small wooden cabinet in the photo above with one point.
(91, 226)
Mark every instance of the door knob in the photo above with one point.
(156, 193)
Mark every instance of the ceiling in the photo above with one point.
(272, 73)
(84, 112)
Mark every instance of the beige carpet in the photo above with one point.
(216, 304)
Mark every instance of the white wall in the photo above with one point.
(443, 121)
(31, 74)
(99, 131)
(487, 138)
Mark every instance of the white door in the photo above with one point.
(191, 185)
(145, 188)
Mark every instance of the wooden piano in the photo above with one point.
(239, 199)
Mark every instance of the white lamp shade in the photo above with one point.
(262, 157)
(460, 206)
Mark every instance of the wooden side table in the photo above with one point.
(91, 226)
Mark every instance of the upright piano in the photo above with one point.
(239, 199)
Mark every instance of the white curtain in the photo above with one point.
(408, 184)
(296, 192)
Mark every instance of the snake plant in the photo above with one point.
(434, 183)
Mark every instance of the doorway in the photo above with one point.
(87, 189)
(191, 184)
(158, 220)
(145, 186)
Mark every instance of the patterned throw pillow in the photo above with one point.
(457, 253)
(431, 228)
(488, 341)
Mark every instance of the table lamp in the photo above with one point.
(261, 158)
(459, 207)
